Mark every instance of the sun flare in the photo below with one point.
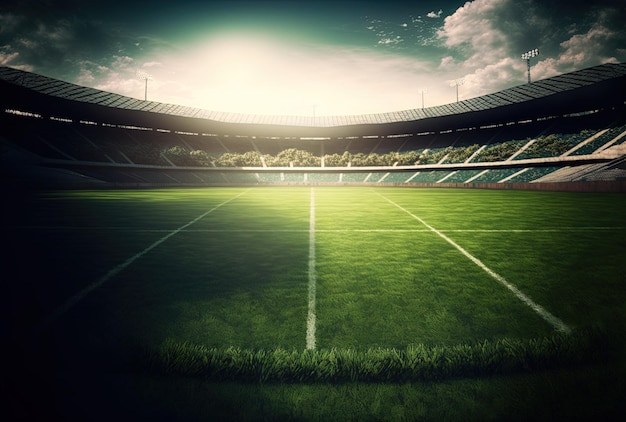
(262, 74)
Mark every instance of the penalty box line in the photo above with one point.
(74, 300)
(543, 313)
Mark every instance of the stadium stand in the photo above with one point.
(567, 128)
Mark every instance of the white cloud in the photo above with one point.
(123, 62)
(387, 41)
(7, 57)
(152, 64)
(481, 49)
(485, 39)
(504, 73)
(434, 15)
(10, 57)
(580, 51)
(474, 29)
(448, 64)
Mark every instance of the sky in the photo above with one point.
(308, 58)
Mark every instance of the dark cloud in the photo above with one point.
(56, 46)
(583, 34)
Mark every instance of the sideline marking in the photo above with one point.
(310, 319)
(547, 316)
(72, 301)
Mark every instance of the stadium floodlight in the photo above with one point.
(456, 83)
(527, 56)
(144, 77)
(423, 91)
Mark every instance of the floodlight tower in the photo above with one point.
(144, 77)
(423, 91)
(527, 56)
(456, 83)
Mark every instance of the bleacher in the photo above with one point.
(605, 137)
(357, 177)
(128, 147)
(323, 177)
(462, 176)
(495, 175)
(62, 141)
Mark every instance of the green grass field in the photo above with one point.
(102, 279)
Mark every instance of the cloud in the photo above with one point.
(602, 43)
(434, 15)
(252, 75)
(481, 42)
(152, 64)
(7, 56)
(9, 22)
(485, 39)
(447, 62)
(386, 41)
(284, 76)
(56, 46)
(474, 30)
(119, 74)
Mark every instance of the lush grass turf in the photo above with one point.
(238, 276)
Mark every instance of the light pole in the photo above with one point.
(423, 91)
(144, 77)
(527, 56)
(457, 82)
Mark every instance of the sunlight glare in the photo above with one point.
(257, 73)
(246, 74)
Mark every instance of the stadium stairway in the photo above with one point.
(613, 170)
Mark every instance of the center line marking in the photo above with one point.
(310, 319)
(543, 313)
(72, 301)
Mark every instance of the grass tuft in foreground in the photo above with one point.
(415, 363)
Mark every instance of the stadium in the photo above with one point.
(172, 262)
(565, 129)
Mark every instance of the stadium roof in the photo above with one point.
(523, 94)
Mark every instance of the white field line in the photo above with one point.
(72, 301)
(547, 316)
(310, 319)
(546, 230)
(137, 230)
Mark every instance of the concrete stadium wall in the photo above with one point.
(599, 186)
(592, 186)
